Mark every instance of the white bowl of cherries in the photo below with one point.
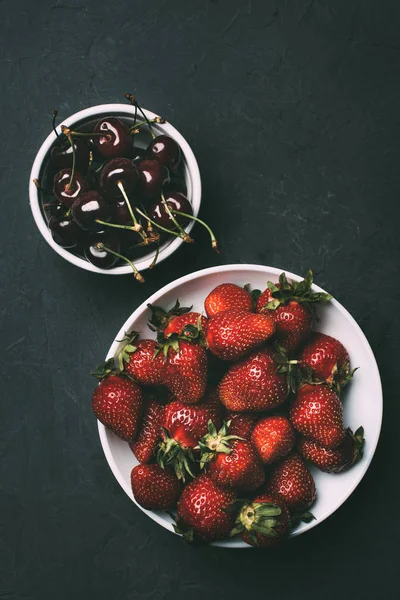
(115, 188)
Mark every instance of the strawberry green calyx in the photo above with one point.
(104, 370)
(257, 518)
(289, 368)
(127, 349)
(171, 453)
(160, 317)
(215, 442)
(255, 294)
(341, 376)
(295, 290)
(359, 442)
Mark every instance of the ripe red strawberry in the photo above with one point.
(174, 320)
(149, 432)
(202, 511)
(274, 438)
(241, 424)
(231, 462)
(263, 522)
(317, 413)
(154, 488)
(234, 333)
(336, 460)
(178, 324)
(327, 358)
(292, 306)
(117, 403)
(253, 384)
(226, 296)
(184, 372)
(183, 427)
(291, 479)
(139, 360)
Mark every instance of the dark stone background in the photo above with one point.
(292, 109)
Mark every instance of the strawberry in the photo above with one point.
(231, 462)
(149, 432)
(183, 427)
(274, 438)
(263, 522)
(291, 479)
(292, 306)
(140, 360)
(241, 424)
(328, 359)
(184, 372)
(234, 333)
(226, 296)
(202, 511)
(175, 320)
(253, 384)
(336, 460)
(317, 413)
(154, 488)
(178, 324)
(117, 403)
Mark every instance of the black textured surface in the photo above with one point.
(292, 109)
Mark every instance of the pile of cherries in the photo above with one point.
(115, 201)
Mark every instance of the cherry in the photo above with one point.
(153, 177)
(96, 254)
(175, 201)
(61, 157)
(65, 231)
(166, 151)
(54, 209)
(116, 172)
(89, 207)
(121, 213)
(116, 140)
(63, 191)
(136, 154)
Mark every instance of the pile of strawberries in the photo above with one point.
(222, 412)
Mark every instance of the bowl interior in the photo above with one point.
(362, 399)
(85, 122)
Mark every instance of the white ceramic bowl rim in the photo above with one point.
(251, 268)
(192, 173)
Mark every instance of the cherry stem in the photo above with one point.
(137, 227)
(186, 238)
(73, 161)
(171, 216)
(39, 187)
(68, 212)
(136, 273)
(100, 222)
(214, 242)
(153, 135)
(131, 129)
(55, 113)
(95, 134)
(154, 262)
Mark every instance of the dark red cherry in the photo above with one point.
(96, 255)
(136, 154)
(54, 209)
(153, 177)
(65, 231)
(65, 194)
(116, 140)
(62, 157)
(176, 201)
(119, 170)
(121, 213)
(89, 207)
(166, 151)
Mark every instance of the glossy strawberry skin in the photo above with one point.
(143, 365)
(274, 438)
(242, 424)
(330, 461)
(154, 488)
(282, 529)
(185, 372)
(253, 384)
(149, 432)
(235, 333)
(317, 413)
(178, 324)
(226, 296)
(293, 320)
(117, 403)
(241, 469)
(291, 479)
(325, 355)
(202, 508)
(187, 424)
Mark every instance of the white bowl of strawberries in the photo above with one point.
(230, 421)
